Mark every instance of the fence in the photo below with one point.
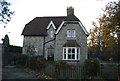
(63, 73)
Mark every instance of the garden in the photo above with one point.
(91, 69)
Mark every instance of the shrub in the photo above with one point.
(36, 63)
(118, 69)
(59, 65)
(31, 62)
(21, 60)
(91, 68)
(40, 63)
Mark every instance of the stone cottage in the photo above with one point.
(61, 37)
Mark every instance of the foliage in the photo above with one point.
(6, 40)
(118, 69)
(91, 68)
(21, 60)
(40, 63)
(5, 12)
(59, 65)
(32, 62)
(104, 36)
(62, 66)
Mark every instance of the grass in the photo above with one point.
(110, 71)
(112, 64)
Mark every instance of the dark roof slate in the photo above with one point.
(71, 43)
(37, 27)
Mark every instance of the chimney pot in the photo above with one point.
(70, 11)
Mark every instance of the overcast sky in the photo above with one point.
(26, 10)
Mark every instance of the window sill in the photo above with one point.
(71, 60)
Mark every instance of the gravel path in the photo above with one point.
(11, 72)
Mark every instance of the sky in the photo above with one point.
(26, 10)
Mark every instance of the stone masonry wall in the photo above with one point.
(51, 43)
(61, 38)
(35, 41)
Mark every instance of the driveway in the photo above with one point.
(11, 72)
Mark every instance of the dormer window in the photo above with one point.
(71, 33)
(51, 34)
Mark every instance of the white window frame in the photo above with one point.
(65, 54)
(71, 33)
(68, 33)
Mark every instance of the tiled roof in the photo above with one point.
(37, 27)
(71, 43)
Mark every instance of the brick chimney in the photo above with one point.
(70, 11)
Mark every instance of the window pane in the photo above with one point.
(77, 50)
(68, 33)
(77, 55)
(64, 56)
(69, 56)
(73, 50)
(64, 50)
(73, 56)
(51, 34)
(69, 50)
(73, 33)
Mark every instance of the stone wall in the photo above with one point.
(9, 54)
(61, 38)
(34, 41)
(50, 44)
(0, 61)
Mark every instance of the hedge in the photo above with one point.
(91, 68)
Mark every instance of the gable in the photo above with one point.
(49, 25)
(81, 25)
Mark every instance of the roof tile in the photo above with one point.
(37, 27)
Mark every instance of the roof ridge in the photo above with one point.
(51, 17)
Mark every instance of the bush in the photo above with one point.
(59, 65)
(40, 63)
(31, 62)
(36, 63)
(21, 60)
(118, 69)
(91, 68)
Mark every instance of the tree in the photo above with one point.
(6, 40)
(5, 12)
(104, 36)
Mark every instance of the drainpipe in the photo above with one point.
(46, 43)
(43, 46)
(50, 40)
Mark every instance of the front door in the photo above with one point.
(51, 54)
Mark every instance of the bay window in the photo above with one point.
(71, 53)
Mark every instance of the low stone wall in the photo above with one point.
(0, 62)
(9, 54)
